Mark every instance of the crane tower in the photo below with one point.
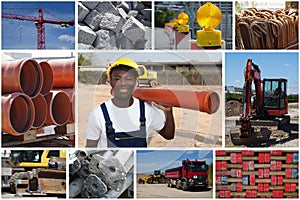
(39, 24)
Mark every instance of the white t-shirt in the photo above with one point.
(123, 120)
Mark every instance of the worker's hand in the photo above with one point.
(165, 108)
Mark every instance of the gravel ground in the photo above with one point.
(278, 138)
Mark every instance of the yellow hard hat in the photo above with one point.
(123, 61)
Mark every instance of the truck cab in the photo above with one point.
(189, 174)
(195, 173)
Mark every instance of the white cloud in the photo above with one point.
(67, 38)
(237, 81)
(189, 152)
(287, 65)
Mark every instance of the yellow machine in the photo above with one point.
(156, 177)
(19, 162)
(209, 16)
(147, 77)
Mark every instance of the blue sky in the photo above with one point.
(150, 160)
(18, 34)
(272, 65)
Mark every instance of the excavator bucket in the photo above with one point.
(259, 137)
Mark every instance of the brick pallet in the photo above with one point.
(256, 174)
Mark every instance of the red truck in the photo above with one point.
(189, 174)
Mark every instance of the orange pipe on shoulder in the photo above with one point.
(203, 101)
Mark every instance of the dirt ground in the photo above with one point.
(278, 138)
(162, 191)
(193, 128)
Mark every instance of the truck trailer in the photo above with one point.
(189, 174)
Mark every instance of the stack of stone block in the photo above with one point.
(114, 25)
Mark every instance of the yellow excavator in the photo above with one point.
(17, 165)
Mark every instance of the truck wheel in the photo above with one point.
(153, 83)
(184, 186)
(178, 184)
(150, 181)
(162, 180)
(16, 176)
(168, 183)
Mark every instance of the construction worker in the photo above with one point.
(124, 121)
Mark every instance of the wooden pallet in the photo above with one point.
(38, 136)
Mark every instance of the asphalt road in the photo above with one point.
(162, 191)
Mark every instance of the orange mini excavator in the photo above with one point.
(269, 107)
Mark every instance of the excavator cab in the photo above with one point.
(275, 97)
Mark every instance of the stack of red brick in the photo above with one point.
(256, 174)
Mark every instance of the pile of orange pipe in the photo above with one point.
(37, 94)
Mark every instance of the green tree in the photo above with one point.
(82, 61)
(163, 15)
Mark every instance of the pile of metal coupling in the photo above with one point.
(94, 173)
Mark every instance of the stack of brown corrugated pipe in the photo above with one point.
(266, 29)
(37, 94)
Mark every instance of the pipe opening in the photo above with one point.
(213, 102)
(30, 78)
(40, 106)
(20, 114)
(48, 78)
(61, 108)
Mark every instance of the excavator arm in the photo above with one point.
(251, 75)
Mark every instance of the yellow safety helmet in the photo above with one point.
(123, 61)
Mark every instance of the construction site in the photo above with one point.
(264, 112)
(172, 77)
(38, 100)
(193, 25)
(33, 173)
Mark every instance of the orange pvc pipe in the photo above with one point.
(48, 78)
(59, 108)
(63, 72)
(71, 93)
(17, 113)
(40, 106)
(203, 101)
(24, 75)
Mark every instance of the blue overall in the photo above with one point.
(122, 139)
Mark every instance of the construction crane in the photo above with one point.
(39, 24)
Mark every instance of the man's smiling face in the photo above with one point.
(123, 83)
